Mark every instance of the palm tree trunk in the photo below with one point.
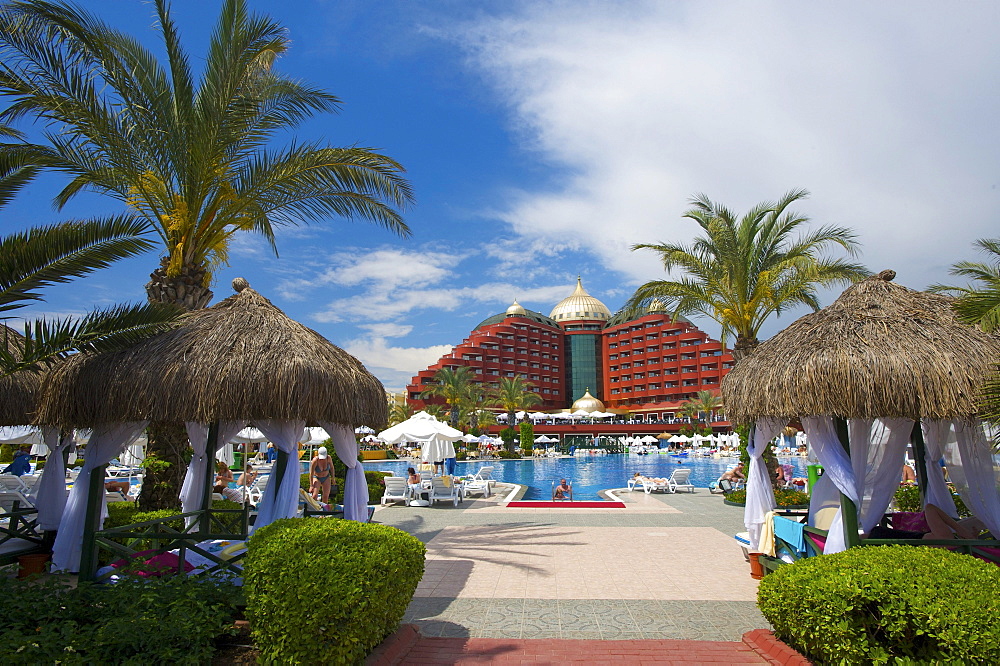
(186, 290)
(165, 466)
(168, 442)
(744, 347)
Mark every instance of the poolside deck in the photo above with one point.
(664, 568)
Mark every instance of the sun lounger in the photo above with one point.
(474, 485)
(679, 479)
(396, 489)
(12, 483)
(444, 489)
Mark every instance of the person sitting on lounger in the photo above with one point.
(117, 487)
(734, 475)
(247, 477)
(21, 464)
(223, 474)
(562, 490)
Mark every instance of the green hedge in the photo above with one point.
(128, 513)
(6, 453)
(327, 591)
(782, 497)
(168, 620)
(880, 604)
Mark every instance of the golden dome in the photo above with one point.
(580, 305)
(588, 403)
(516, 309)
(656, 305)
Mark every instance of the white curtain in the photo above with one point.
(355, 485)
(193, 488)
(281, 497)
(837, 466)
(936, 437)
(105, 443)
(760, 491)
(49, 493)
(970, 467)
(887, 451)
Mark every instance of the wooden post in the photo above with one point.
(91, 524)
(920, 458)
(848, 509)
(205, 526)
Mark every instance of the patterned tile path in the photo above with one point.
(665, 567)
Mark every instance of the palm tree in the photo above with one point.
(744, 270)
(399, 412)
(705, 403)
(194, 157)
(41, 256)
(38, 257)
(979, 304)
(452, 384)
(512, 394)
(470, 405)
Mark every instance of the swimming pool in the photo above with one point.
(592, 474)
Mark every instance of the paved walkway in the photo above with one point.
(664, 568)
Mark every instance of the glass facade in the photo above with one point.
(583, 365)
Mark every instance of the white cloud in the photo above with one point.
(381, 305)
(394, 366)
(885, 111)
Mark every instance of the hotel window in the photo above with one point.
(613, 368)
(626, 366)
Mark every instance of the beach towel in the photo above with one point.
(766, 543)
(791, 532)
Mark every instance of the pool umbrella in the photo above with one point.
(880, 351)
(648, 439)
(663, 435)
(240, 361)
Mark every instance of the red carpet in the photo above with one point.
(566, 505)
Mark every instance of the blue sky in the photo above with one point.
(543, 139)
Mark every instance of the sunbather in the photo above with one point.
(117, 487)
(735, 475)
(223, 474)
(940, 526)
(651, 479)
(248, 476)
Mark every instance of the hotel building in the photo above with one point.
(646, 366)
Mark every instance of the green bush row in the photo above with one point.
(172, 620)
(781, 497)
(327, 591)
(887, 604)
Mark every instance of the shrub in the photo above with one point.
(327, 591)
(6, 453)
(173, 619)
(881, 603)
(781, 497)
(507, 455)
(39, 465)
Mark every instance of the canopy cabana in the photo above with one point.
(240, 361)
(436, 438)
(863, 375)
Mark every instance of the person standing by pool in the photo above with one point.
(321, 473)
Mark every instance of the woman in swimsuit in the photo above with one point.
(321, 472)
(223, 474)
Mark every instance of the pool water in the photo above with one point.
(590, 475)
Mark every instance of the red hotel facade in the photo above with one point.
(645, 367)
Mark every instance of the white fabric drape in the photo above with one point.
(105, 443)
(970, 468)
(355, 485)
(837, 466)
(193, 489)
(49, 493)
(936, 491)
(281, 497)
(885, 458)
(760, 491)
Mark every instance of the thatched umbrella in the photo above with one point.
(18, 392)
(240, 360)
(879, 351)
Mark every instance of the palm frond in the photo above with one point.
(54, 254)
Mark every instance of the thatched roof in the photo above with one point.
(18, 392)
(239, 359)
(879, 350)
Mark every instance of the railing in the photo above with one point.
(139, 542)
(20, 523)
